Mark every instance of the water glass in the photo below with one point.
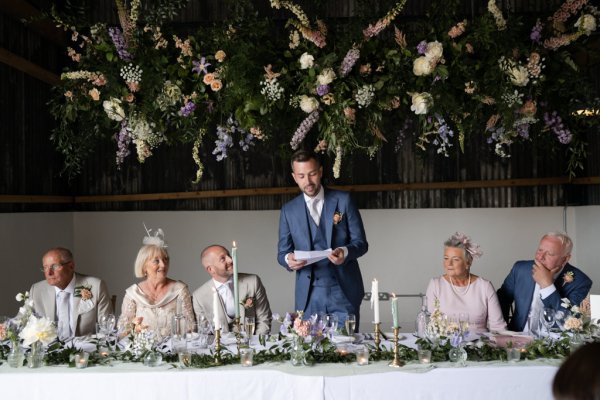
(331, 324)
(424, 356)
(362, 356)
(246, 356)
(81, 360)
(350, 324)
(513, 354)
(185, 359)
(548, 316)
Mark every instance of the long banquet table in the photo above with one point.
(477, 380)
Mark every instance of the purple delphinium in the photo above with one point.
(402, 135)
(187, 109)
(523, 130)
(536, 32)
(496, 133)
(322, 90)
(422, 47)
(349, 60)
(119, 41)
(247, 140)
(200, 66)
(303, 129)
(555, 124)
(123, 141)
(223, 142)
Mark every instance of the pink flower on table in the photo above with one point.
(573, 324)
(301, 327)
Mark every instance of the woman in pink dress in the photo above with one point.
(460, 291)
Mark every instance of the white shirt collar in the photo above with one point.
(218, 284)
(320, 196)
(70, 287)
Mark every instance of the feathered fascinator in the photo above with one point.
(472, 248)
(156, 239)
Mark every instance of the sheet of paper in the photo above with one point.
(595, 305)
(311, 256)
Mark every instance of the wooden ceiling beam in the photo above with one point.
(26, 66)
(22, 10)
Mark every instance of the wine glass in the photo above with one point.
(249, 324)
(463, 323)
(331, 324)
(350, 324)
(548, 317)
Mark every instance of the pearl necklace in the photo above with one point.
(454, 288)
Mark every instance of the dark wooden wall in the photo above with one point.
(31, 167)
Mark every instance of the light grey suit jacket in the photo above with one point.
(250, 286)
(83, 316)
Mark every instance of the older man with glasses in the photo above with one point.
(74, 301)
(542, 283)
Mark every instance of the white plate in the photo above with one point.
(338, 339)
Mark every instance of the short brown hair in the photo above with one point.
(304, 156)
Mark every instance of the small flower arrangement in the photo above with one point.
(84, 291)
(248, 303)
(438, 322)
(38, 330)
(337, 217)
(574, 321)
(568, 277)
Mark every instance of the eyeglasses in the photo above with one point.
(53, 267)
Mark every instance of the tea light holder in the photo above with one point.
(424, 356)
(81, 360)
(103, 352)
(362, 356)
(185, 359)
(513, 354)
(246, 356)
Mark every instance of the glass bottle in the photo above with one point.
(422, 319)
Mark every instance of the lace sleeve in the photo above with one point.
(188, 309)
(128, 311)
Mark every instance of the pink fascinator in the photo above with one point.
(471, 247)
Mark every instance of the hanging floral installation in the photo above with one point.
(336, 88)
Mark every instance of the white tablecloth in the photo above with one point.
(524, 380)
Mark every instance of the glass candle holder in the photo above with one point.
(246, 356)
(185, 359)
(424, 356)
(362, 356)
(513, 354)
(81, 360)
(104, 352)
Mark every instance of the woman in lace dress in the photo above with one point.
(460, 291)
(156, 297)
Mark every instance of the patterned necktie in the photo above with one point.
(314, 210)
(62, 311)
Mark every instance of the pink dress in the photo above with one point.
(480, 302)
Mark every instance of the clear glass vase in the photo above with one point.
(422, 319)
(458, 354)
(16, 356)
(297, 352)
(35, 358)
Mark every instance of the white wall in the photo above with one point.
(405, 246)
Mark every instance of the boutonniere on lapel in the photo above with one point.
(84, 292)
(568, 277)
(248, 303)
(337, 217)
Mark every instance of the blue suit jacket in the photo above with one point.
(294, 234)
(519, 287)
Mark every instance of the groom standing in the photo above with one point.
(320, 219)
(542, 283)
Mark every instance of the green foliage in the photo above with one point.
(453, 78)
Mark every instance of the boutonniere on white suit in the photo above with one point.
(84, 292)
(337, 217)
(248, 303)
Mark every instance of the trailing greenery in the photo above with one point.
(251, 84)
